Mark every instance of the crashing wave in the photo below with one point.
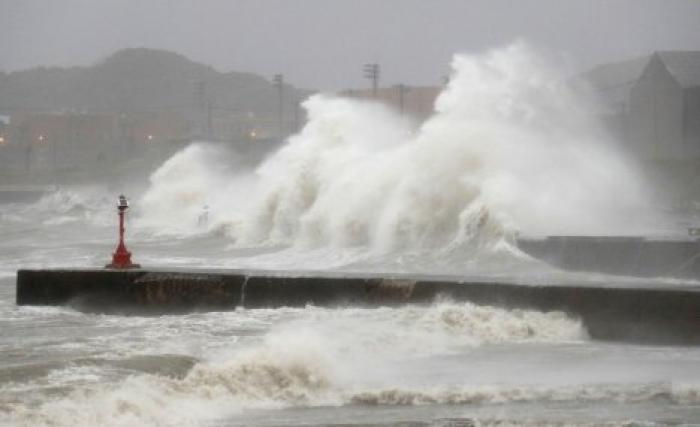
(508, 149)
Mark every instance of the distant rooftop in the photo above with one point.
(684, 66)
(614, 81)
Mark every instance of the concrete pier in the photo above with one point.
(644, 312)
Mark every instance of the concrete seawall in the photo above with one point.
(630, 256)
(642, 313)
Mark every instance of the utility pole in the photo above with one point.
(210, 136)
(371, 72)
(200, 93)
(278, 81)
(202, 107)
(403, 89)
(296, 113)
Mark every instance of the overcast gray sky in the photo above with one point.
(323, 43)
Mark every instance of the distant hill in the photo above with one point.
(138, 80)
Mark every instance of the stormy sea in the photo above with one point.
(359, 189)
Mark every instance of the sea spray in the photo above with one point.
(509, 149)
(200, 178)
(87, 204)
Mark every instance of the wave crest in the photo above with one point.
(493, 394)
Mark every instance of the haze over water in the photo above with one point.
(509, 150)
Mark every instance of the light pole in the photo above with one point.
(122, 257)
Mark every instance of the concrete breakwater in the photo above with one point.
(642, 313)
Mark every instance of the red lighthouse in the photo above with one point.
(122, 257)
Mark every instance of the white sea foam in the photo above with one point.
(499, 394)
(528, 422)
(316, 357)
(442, 328)
(217, 392)
(312, 359)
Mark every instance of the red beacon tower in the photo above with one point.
(122, 257)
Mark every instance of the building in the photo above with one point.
(235, 127)
(413, 101)
(66, 142)
(653, 104)
(59, 141)
(148, 129)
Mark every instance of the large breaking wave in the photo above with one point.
(509, 149)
